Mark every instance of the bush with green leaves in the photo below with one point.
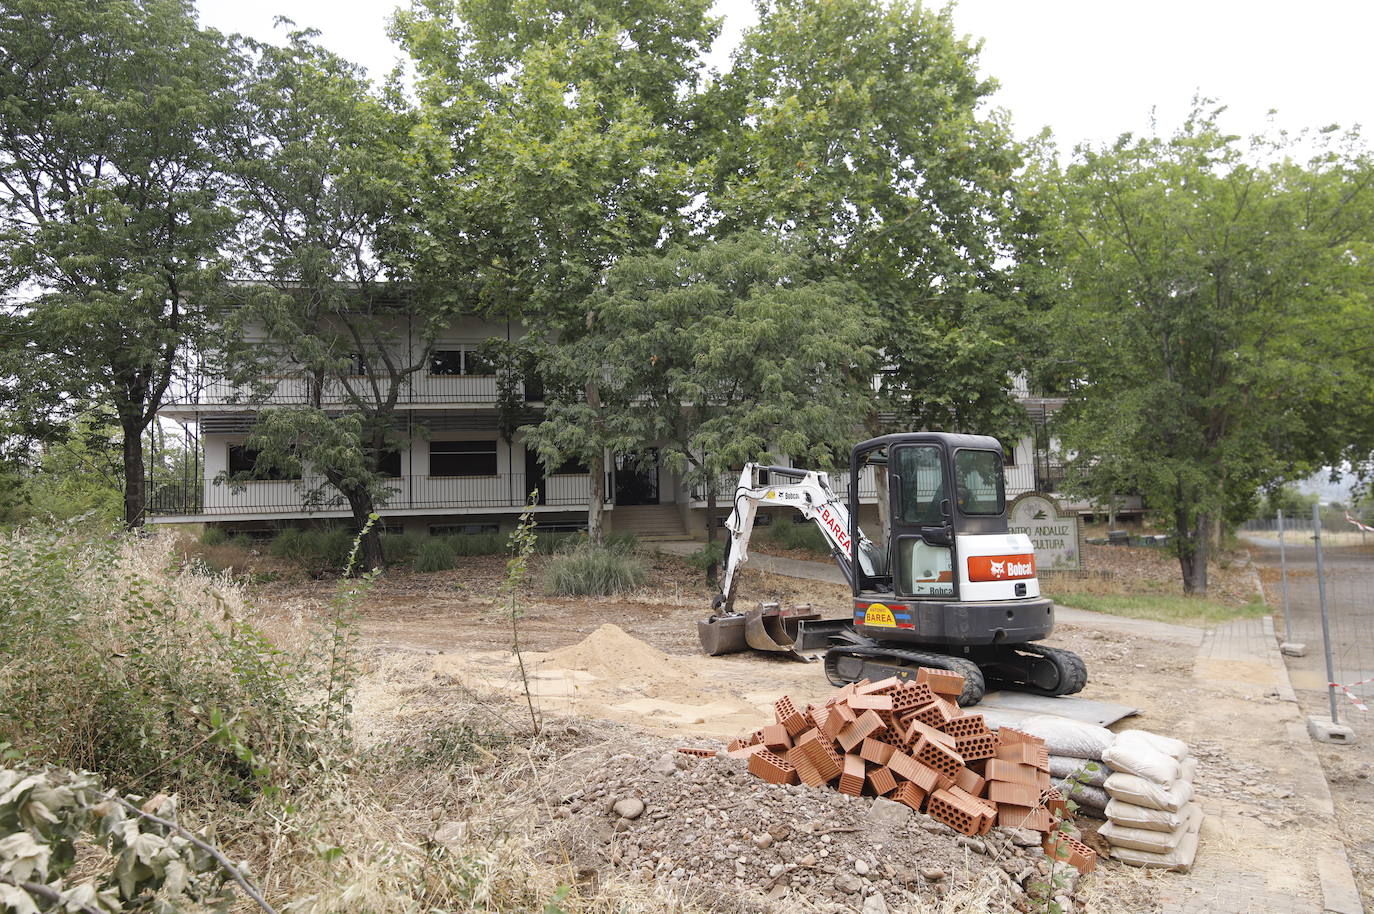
(788, 535)
(401, 548)
(114, 661)
(436, 554)
(590, 570)
(319, 552)
(709, 556)
(214, 536)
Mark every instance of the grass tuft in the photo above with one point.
(1161, 607)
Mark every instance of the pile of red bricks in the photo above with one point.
(910, 741)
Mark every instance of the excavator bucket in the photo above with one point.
(768, 627)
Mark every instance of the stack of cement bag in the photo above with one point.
(1076, 763)
(1153, 820)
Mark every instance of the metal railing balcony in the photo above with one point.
(313, 495)
(294, 391)
(839, 481)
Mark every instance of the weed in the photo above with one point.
(804, 537)
(436, 554)
(214, 536)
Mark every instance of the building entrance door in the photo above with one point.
(636, 478)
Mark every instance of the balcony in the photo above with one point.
(294, 391)
(839, 482)
(406, 494)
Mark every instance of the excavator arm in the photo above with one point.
(806, 490)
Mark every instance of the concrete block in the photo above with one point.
(1293, 649)
(887, 813)
(1324, 731)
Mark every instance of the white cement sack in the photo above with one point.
(1144, 792)
(1166, 744)
(1156, 842)
(1069, 737)
(1082, 770)
(1138, 758)
(1180, 859)
(1129, 815)
(1187, 769)
(1086, 796)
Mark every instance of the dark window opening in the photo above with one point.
(571, 466)
(357, 365)
(446, 362)
(243, 464)
(389, 464)
(462, 458)
(477, 365)
(463, 529)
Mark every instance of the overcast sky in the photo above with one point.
(1089, 69)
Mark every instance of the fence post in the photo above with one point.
(1321, 598)
(1283, 574)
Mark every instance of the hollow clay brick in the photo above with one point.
(823, 757)
(854, 733)
(852, 777)
(943, 682)
(910, 794)
(943, 806)
(932, 714)
(753, 739)
(969, 782)
(1054, 801)
(951, 706)
(1037, 818)
(1042, 779)
(930, 733)
(1020, 753)
(983, 807)
(1068, 850)
(1003, 770)
(806, 772)
(882, 780)
(922, 692)
(871, 702)
(1016, 794)
(772, 768)
(1006, 736)
(697, 753)
(881, 687)
(776, 737)
(786, 713)
(905, 699)
(876, 751)
(747, 751)
(976, 747)
(966, 725)
(844, 712)
(942, 758)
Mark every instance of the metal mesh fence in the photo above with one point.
(1302, 573)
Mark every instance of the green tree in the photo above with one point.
(717, 356)
(326, 172)
(568, 138)
(1215, 315)
(112, 199)
(854, 127)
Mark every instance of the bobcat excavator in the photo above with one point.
(948, 587)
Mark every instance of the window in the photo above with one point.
(462, 458)
(1009, 454)
(243, 464)
(389, 464)
(463, 529)
(572, 466)
(464, 361)
(978, 482)
(357, 365)
(922, 471)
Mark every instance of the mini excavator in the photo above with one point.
(949, 586)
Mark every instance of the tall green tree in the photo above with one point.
(113, 211)
(569, 141)
(1214, 314)
(329, 330)
(856, 127)
(716, 355)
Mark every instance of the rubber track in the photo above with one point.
(974, 686)
(1073, 672)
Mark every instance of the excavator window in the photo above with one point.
(922, 485)
(979, 488)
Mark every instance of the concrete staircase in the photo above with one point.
(649, 523)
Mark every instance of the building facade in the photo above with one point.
(454, 472)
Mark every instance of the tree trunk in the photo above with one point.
(1193, 550)
(597, 500)
(370, 556)
(135, 474)
(710, 510)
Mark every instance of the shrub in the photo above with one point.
(112, 662)
(318, 552)
(788, 535)
(707, 557)
(477, 543)
(399, 549)
(436, 554)
(595, 571)
(214, 536)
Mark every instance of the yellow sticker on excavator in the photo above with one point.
(878, 614)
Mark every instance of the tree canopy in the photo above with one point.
(1214, 319)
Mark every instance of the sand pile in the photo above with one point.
(610, 653)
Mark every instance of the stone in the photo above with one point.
(1024, 837)
(848, 884)
(1293, 649)
(932, 874)
(861, 867)
(973, 844)
(666, 764)
(763, 841)
(875, 904)
(780, 832)
(885, 813)
(808, 860)
(629, 808)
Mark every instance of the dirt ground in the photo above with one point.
(634, 665)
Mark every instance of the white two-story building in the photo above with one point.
(454, 472)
